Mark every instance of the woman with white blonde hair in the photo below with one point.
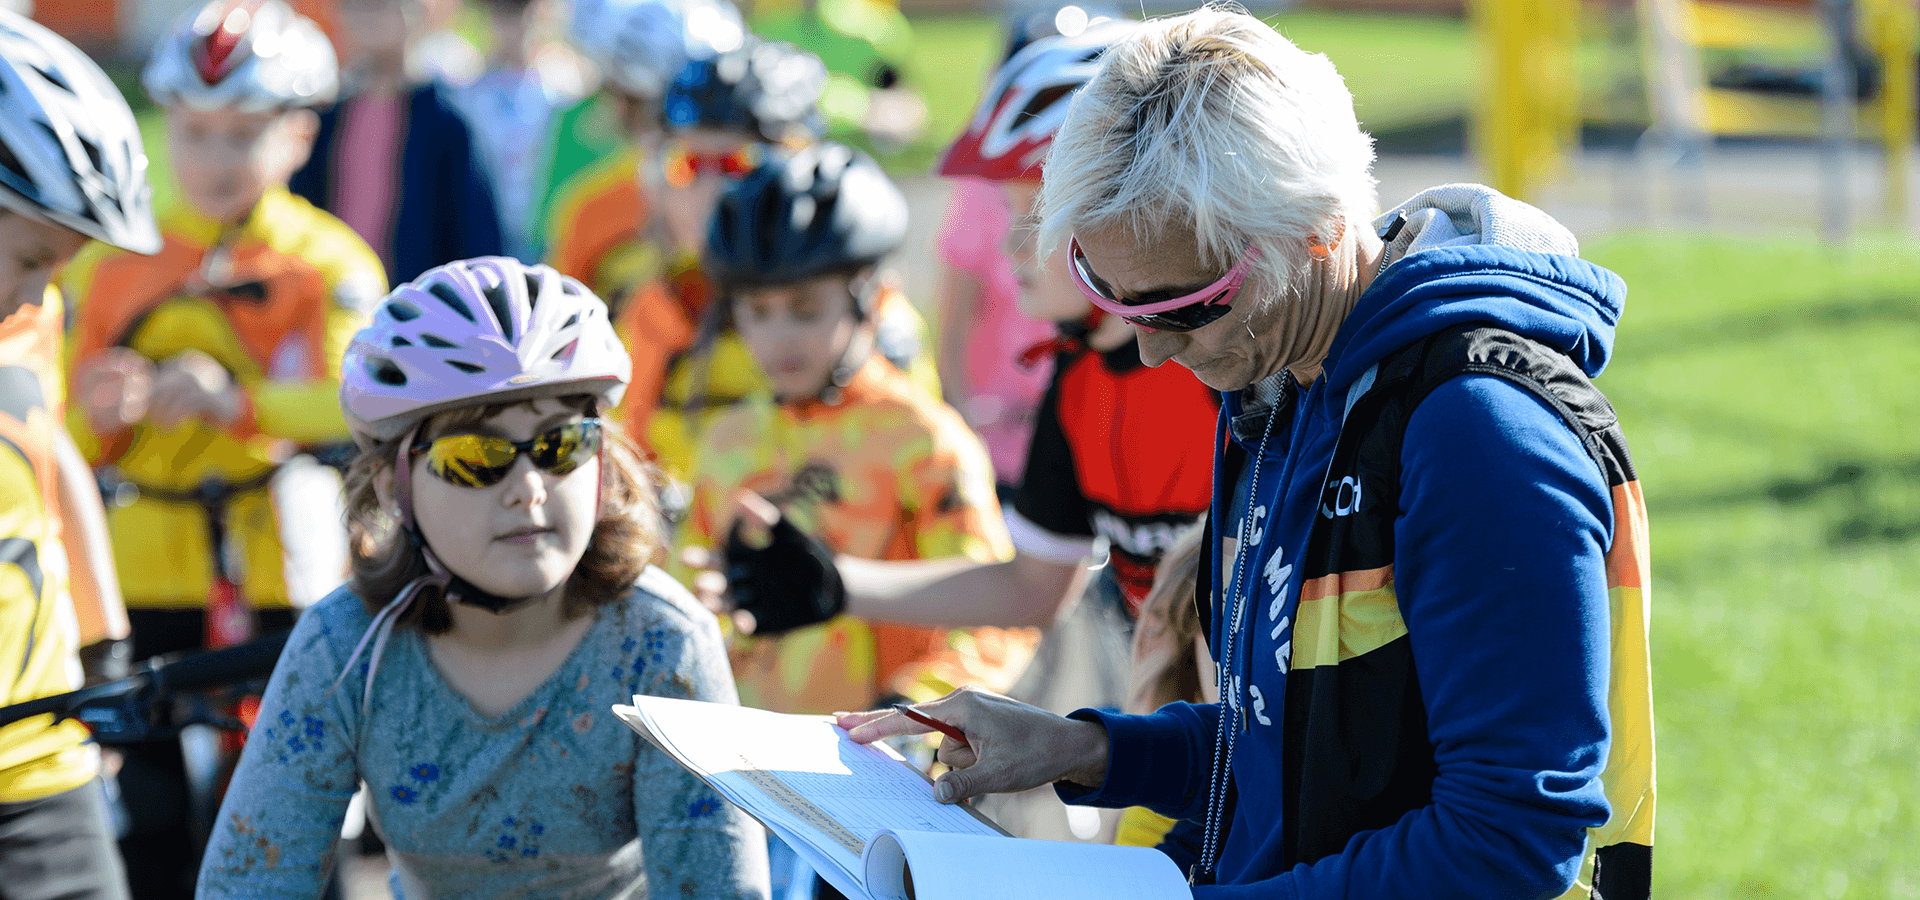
(1432, 654)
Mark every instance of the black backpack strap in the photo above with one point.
(1405, 378)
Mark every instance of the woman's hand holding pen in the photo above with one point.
(1010, 746)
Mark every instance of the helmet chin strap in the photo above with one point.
(453, 588)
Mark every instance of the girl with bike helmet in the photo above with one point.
(983, 332)
(502, 600)
(851, 450)
(72, 169)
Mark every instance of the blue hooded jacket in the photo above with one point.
(1498, 573)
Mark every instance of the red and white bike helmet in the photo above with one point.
(487, 330)
(1015, 122)
(70, 150)
(249, 55)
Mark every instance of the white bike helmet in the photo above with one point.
(249, 55)
(479, 330)
(1014, 126)
(640, 45)
(70, 150)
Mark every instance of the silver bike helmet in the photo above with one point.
(70, 151)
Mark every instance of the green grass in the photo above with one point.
(1770, 395)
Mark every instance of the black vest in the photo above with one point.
(1357, 752)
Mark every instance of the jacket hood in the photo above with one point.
(1468, 253)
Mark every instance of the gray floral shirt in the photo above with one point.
(554, 798)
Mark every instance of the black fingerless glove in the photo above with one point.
(791, 583)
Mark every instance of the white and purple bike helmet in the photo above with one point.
(489, 330)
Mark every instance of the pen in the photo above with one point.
(931, 722)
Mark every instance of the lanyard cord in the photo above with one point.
(1222, 747)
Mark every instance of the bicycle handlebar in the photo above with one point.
(138, 708)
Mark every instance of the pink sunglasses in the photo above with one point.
(1186, 313)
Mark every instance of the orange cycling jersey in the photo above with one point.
(275, 300)
(887, 472)
(37, 758)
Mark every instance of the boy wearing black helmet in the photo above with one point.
(849, 449)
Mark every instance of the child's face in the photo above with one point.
(1047, 293)
(375, 34)
(797, 332)
(695, 167)
(522, 536)
(226, 160)
(30, 252)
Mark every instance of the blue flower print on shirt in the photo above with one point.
(656, 644)
(703, 807)
(629, 645)
(404, 794)
(509, 845)
(425, 773)
(315, 727)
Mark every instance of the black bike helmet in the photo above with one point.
(827, 208)
(768, 89)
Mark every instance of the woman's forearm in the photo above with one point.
(958, 592)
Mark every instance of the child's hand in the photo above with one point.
(781, 577)
(115, 389)
(192, 386)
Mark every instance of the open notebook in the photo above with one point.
(866, 820)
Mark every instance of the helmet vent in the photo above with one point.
(566, 353)
(402, 311)
(466, 367)
(54, 76)
(94, 155)
(434, 340)
(571, 321)
(496, 297)
(384, 371)
(399, 341)
(16, 174)
(1042, 101)
(452, 299)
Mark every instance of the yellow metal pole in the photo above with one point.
(1528, 114)
(1893, 29)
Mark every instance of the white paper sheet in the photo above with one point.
(803, 778)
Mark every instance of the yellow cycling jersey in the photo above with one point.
(37, 758)
(884, 472)
(275, 299)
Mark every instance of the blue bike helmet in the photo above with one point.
(771, 90)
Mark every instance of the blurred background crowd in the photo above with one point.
(1746, 167)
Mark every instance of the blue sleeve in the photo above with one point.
(1160, 760)
(277, 827)
(1503, 528)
